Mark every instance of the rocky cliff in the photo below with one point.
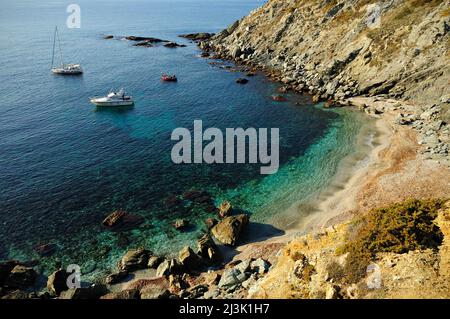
(336, 49)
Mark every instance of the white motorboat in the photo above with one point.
(64, 69)
(113, 99)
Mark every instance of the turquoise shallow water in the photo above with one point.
(65, 165)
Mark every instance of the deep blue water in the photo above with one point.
(65, 165)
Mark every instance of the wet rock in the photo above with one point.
(57, 282)
(188, 259)
(92, 292)
(180, 224)
(144, 39)
(210, 222)
(121, 220)
(134, 259)
(172, 202)
(21, 277)
(114, 218)
(201, 36)
(145, 44)
(204, 54)
(157, 288)
(154, 262)
(174, 45)
(227, 231)
(225, 209)
(125, 294)
(116, 277)
(108, 37)
(241, 81)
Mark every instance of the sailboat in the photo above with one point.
(65, 69)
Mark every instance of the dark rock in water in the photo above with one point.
(46, 250)
(114, 218)
(134, 259)
(188, 259)
(143, 44)
(167, 267)
(210, 222)
(121, 220)
(172, 202)
(154, 262)
(250, 74)
(204, 54)
(180, 224)
(116, 277)
(197, 36)
(174, 45)
(92, 292)
(241, 81)
(107, 37)
(225, 209)
(145, 39)
(125, 294)
(227, 231)
(57, 282)
(278, 98)
(197, 196)
(21, 277)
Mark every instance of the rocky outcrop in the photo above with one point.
(197, 36)
(346, 48)
(227, 231)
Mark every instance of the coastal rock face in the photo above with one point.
(21, 277)
(227, 231)
(188, 259)
(339, 49)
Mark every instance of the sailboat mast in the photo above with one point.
(59, 44)
(54, 42)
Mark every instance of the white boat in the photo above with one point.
(64, 69)
(113, 99)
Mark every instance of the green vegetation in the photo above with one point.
(398, 228)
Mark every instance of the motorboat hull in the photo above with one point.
(112, 103)
(66, 72)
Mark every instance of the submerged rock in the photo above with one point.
(201, 36)
(180, 224)
(241, 81)
(121, 220)
(114, 218)
(174, 45)
(279, 98)
(45, 250)
(227, 231)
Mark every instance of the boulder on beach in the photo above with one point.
(167, 267)
(135, 259)
(57, 282)
(227, 231)
(225, 209)
(188, 259)
(207, 249)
